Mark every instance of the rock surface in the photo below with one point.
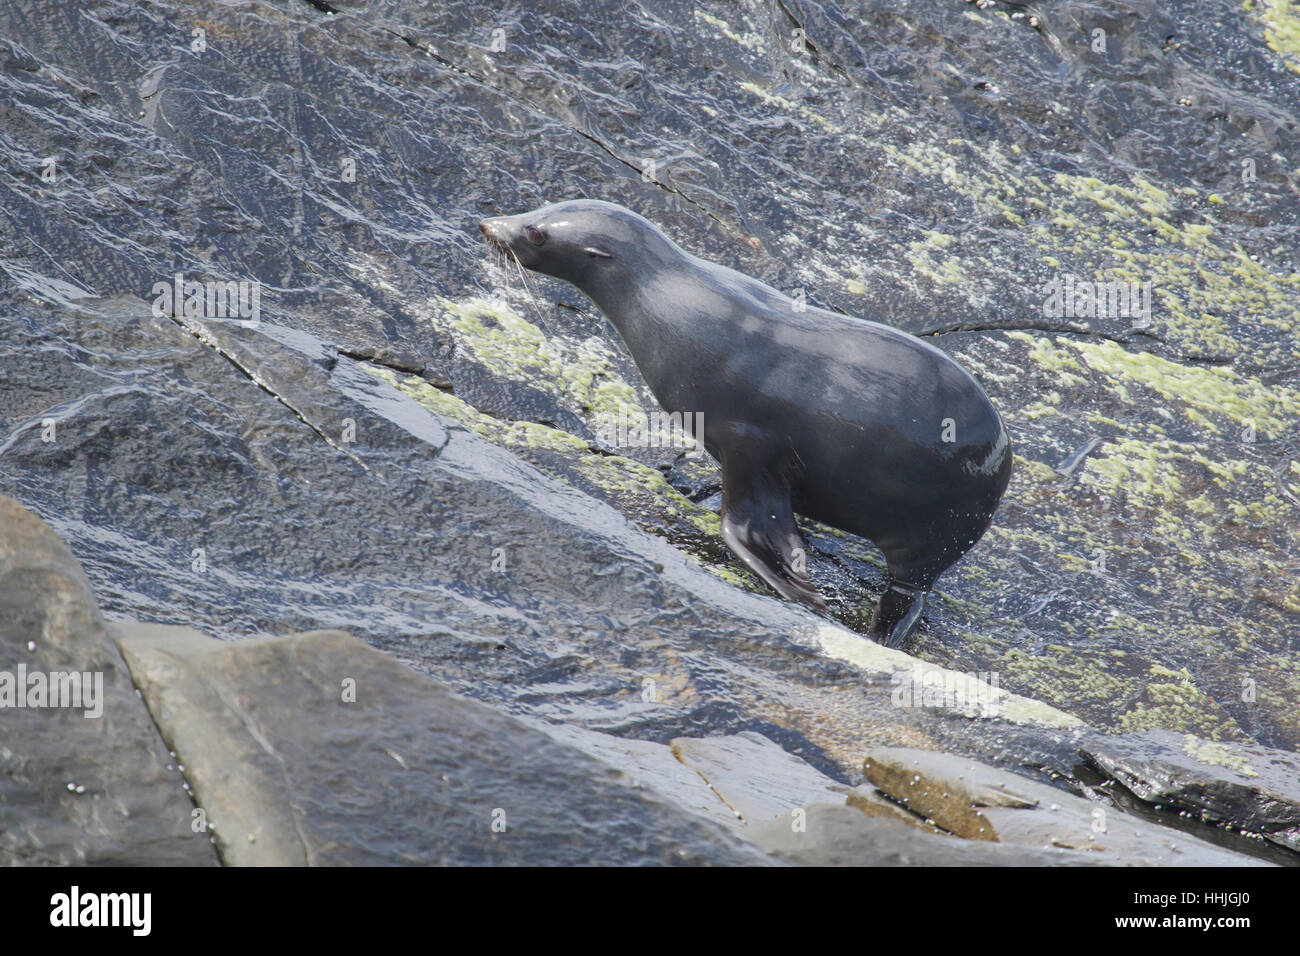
(1135, 573)
(447, 551)
(754, 776)
(838, 835)
(291, 772)
(1252, 788)
(980, 802)
(77, 789)
(651, 765)
(315, 471)
(316, 749)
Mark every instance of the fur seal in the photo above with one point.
(847, 421)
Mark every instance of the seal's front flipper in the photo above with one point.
(758, 525)
(897, 614)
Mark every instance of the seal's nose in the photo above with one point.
(493, 230)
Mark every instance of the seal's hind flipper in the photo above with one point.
(758, 525)
(897, 614)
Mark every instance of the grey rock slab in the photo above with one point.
(393, 540)
(839, 835)
(1243, 785)
(650, 765)
(76, 789)
(985, 803)
(148, 183)
(291, 772)
(755, 776)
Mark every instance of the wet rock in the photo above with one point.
(354, 204)
(316, 749)
(651, 765)
(754, 776)
(838, 835)
(87, 784)
(744, 780)
(1246, 786)
(946, 790)
(210, 480)
(981, 802)
(221, 483)
(874, 803)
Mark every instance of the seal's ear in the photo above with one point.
(596, 253)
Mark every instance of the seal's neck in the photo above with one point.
(620, 291)
(652, 316)
(624, 294)
(614, 294)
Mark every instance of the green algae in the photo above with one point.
(584, 376)
(1102, 229)
(637, 487)
(1205, 394)
(1090, 683)
(1170, 700)
(1055, 356)
(1207, 751)
(788, 106)
(1214, 529)
(1281, 20)
(499, 432)
(920, 254)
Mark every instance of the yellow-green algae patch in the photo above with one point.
(780, 102)
(948, 272)
(1119, 202)
(1054, 356)
(499, 338)
(631, 483)
(747, 39)
(1171, 699)
(1210, 297)
(517, 435)
(1207, 751)
(1281, 19)
(1190, 539)
(1090, 682)
(1217, 392)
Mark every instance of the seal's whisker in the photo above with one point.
(523, 274)
(498, 259)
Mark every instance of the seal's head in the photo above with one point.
(584, 241)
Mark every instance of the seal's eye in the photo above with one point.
(535, 235)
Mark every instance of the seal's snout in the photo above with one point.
(494, 230)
